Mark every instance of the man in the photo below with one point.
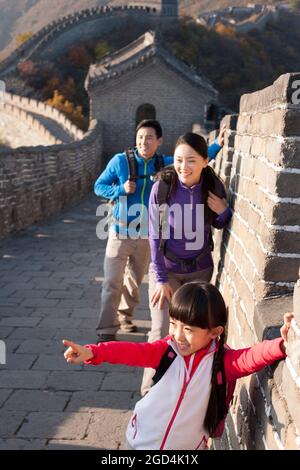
(127, 251)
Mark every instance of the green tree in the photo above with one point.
(295, 4)
(101, 49)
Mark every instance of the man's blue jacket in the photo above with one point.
(132, 207)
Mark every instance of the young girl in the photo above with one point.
(188, 403)
(175, 261)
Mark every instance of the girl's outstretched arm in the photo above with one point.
(117, 352)
(242, 362)
(76, 354)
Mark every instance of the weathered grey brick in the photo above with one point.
(19, 361)
(22, 444)
(108, 432)
(79, 380)
(94, 402)
(296, 301)
(268, 316)
(20, 321)
(281, 269)
(10, 422)
(22, 379)
(33, 333)
(54, 425)
(4, 394)
(72, 444)
(291, 394)
(113, 381)
(36, 400)
(39, 346)
(54, 362)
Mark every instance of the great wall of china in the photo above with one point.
(56, 33)
(256, 258)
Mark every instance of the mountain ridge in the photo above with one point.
(23, 16)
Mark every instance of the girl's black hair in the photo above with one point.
(208, 175)
(201, 304)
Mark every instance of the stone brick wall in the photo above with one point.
(257, 259)
(18, 128)
(36, 182)
(178, 104)
(14, 103)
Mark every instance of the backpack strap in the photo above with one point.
(163, 192)
(167, 359)
(159, 163)
(132, 164)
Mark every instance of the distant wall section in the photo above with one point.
(83, 25)
(37, 182)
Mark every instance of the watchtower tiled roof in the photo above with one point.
(135, 55)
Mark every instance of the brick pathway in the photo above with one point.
(50, 277)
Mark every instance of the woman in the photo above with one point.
(192, 184)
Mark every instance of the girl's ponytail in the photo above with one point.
(217, 408)
(201, 304)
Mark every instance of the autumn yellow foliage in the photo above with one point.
(23, 37)
(74, 113)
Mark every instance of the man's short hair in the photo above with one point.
(150, 123)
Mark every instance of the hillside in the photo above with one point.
(238, 63)
(234, 61)
(22, 16)
(195, 7)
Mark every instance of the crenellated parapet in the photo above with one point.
(39, 181)
(22, 126)
(28, 106)
(45, 36)
(258, 256)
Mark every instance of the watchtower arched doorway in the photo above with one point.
(145, 111)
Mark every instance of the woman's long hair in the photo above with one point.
(201, 304)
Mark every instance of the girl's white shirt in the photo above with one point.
(167, 417)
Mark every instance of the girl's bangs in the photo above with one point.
(189, 305)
